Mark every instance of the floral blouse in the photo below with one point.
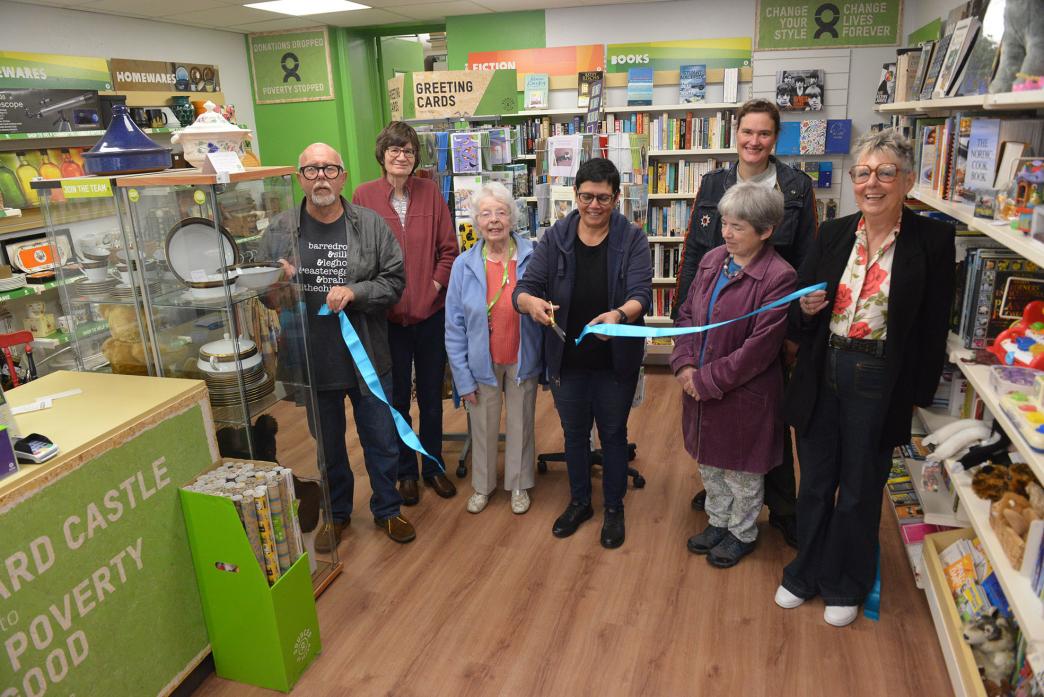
(861, 305)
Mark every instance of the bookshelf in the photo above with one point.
(694, 106)
(699, 152)
(989, 102)
(672, 197)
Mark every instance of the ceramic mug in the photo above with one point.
(157, 117)
(139, 117)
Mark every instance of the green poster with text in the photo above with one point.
(98, 593)
(786, 24)
(291, 66)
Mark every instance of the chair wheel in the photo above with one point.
(541, 466)
(639, 482)
(462, 471)
(632, 451)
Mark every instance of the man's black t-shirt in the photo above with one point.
(590, 299)
(323, 250)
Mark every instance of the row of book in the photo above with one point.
(814, 137)
(666, 259)
(670, 220)
(663, 302)
(690, 131)
(679, 176)
(994, 285)
(821, 172)
(692, 86)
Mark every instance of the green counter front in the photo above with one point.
(97, 590)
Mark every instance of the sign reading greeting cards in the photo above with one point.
(783, 24)
(455, 93)
(291, 66)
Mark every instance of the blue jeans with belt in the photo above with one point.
(844, 468)
(601, 397)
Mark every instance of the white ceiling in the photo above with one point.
(229, 15)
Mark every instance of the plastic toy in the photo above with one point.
(1023, 342)
(1027, 417)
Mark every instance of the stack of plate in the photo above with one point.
(224, 388)
(123, 292)
(16, 280)
(94, 290)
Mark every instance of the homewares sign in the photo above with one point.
(291, 66)
(783, 24)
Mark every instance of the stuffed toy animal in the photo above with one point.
(1022, 46)
(990, 482)
(992, 642)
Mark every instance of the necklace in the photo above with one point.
(725, 268)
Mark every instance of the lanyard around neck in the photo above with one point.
(503, 279)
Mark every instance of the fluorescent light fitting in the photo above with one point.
(300, 8)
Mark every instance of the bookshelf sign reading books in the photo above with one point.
(455, 93)
(672, 55)
(783, 24)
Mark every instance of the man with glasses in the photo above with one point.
(349, 261)
(417, 215)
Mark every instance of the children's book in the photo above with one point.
(692, 83)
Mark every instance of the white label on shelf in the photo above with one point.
(222, 164)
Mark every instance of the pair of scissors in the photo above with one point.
(555, 328)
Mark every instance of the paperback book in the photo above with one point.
(584, 81)
(886, 87)
(536, 91)
(692, 83)
(639, 87)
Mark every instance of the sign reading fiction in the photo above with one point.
(291, 66)
(783, 24)
(560, 60)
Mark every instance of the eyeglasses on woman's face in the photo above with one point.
(498, 214)
(311, 172)
(886, 172)
(588, 198)
(396, 152)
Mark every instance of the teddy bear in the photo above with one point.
(1010, 518)
(992, 642)
(1022, 46)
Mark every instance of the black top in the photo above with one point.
(324, 264)
(590, 299)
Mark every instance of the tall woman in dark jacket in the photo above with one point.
(872, 346)
(591, 267)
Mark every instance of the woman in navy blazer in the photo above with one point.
(872, 346)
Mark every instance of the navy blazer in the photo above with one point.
(919, 300)
(552, 272)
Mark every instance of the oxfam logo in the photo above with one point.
(629, 59)
(303, 645)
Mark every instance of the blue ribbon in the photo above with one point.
(872, 604)
(370, 377)
(636, 331)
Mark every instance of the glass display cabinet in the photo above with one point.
(184, 280)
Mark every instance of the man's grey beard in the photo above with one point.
(323, 200)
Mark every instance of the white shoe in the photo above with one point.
(787, 600)
(519, 501)
(477, 502)
(840, 615)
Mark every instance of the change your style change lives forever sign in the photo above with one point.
(788, 24)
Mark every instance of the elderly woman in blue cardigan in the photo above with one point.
(493, 352)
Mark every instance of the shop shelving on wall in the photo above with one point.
(1005, 101)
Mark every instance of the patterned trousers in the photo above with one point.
(734, 500)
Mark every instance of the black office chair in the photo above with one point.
(595, 459)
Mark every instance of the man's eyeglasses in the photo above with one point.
(586, 197)
(311, 172)
(394, 151)
(885, 173)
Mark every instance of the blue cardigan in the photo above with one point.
(467, 329)
(552, 273)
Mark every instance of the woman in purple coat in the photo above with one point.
(731, 377)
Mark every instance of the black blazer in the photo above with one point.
(918, 319)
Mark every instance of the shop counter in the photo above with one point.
(97, 590)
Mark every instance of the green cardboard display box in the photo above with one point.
(260, 634)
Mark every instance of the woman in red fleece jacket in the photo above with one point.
(418, 216)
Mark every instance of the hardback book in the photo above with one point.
(964, 59)
(982, 59)
(906, 63)
(812, 138)
(536, 92)
(789, 141)
(936, 66)
(692, 83)
(584, 81)
(930, 136)
(960, 42)
(927, 52)
(981, 168)
(959, 158)
(731, 86)
(639, 87)
(826, 175)
(838, 136)
(886, 86)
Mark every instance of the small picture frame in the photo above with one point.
(986, 204)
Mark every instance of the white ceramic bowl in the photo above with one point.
(259, 275)
(218, 357)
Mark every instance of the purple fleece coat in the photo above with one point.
(737, 423)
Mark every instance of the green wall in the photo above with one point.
(397, 54)
(500, 31)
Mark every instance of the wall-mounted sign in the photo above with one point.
(453, 93)
(670, 55)
(47, 111)
(291, 66)
(160, 76)
(562, 60)
(396, 85)
(52, 72)
(783, 24)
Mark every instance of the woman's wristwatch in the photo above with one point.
(623, 315)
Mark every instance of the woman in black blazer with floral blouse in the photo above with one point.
(872, 346)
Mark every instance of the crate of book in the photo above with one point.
(253, 573)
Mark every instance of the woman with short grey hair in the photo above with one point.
(731, 376)
(494, 352)
(888, 141)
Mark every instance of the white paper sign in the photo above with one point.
(222, 164)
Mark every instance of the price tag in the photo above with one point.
(222, 164)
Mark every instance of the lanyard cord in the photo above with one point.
(503, 279)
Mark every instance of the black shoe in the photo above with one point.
(786, 524)
(699, 500)
(567, 523)
(706, 540)
(729, 551)
(441, 485)
(613, 528)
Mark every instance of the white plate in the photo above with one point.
(191, 245)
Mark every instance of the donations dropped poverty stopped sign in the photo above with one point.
(291, 66)
(783, 24)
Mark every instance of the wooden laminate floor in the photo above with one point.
(492, 604)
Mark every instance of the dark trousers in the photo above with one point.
(379, 440)
(780, 485)
(419, 348)
(583, 397)
(843, 470)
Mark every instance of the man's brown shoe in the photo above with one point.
(442, 486)
(409, 492)
(398, 528)
(326, 533)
